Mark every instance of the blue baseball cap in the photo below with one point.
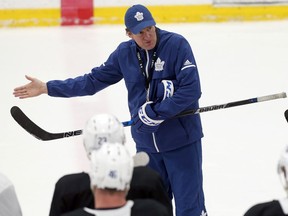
(137, 18)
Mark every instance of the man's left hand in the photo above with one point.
(147, 121)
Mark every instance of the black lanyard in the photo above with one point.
(149, 75)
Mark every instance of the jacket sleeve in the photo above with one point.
(188, 90)
(88, 84)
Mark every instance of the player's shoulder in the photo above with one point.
(145, 174)
(148, 207)
(272, 207)
(73, 183)
(145, 170)
(77, 212)
(174, 40)
(171, 35)
(73, 178)
(126, 45)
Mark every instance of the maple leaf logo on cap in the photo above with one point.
(139, 16)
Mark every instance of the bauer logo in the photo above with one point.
(215, 107)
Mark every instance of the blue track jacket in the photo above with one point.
(175, 62)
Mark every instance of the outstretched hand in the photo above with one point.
(34, 88)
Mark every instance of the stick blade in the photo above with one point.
(28, 125)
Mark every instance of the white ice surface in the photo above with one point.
(236, 61)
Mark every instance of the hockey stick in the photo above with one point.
(41, 134)
(26, 123)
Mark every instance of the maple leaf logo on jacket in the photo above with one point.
(159, 65)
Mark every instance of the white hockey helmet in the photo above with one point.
(102, 128)
(282, 168)
(111, 167)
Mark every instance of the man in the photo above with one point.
(275, 207)
(111, 173)
(73, 191)
(9, 204)
(162, 80)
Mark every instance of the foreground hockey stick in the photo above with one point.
(26, 123)
(41, 134)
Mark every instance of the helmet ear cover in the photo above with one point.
(102, 128)
(111, 167)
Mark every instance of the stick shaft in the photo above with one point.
(233, 104)
(225, 106)
(32, 128)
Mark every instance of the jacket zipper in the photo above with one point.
(147, 96)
